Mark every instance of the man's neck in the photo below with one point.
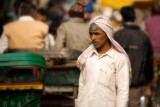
(104, 49)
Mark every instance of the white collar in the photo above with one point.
(26, 18)
(110, 52)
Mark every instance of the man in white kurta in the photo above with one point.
(104, 78)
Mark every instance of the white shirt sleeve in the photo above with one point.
(49, 41)
(46, 42)
(122, 82)
(3, 43)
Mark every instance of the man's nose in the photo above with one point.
(93, 37)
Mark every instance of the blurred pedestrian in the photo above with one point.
(152, 25)
(42, 15)
(74, 34)
(25, 33)
(138, 47)
(88, 10)
(105, 69)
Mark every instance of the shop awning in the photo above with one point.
(117, 4)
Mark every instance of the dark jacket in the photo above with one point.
(138, 47)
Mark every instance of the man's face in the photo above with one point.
(40, 17)
(98, 37)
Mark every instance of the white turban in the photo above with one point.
(104, 23)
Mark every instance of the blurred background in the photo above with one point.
(58, 9)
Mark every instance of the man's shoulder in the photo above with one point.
(28, 22)
(40, 23)
(117, 55)
(119, 30)
(63, 24)
(11, 23)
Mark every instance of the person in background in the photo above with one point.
(104, 69)
(42, 15)
(88, 10)
(25, 33)
(73, 34)
(138, 47)
(152, 25)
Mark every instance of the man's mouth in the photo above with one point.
(95, 43)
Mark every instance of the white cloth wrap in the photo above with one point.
(104, 23)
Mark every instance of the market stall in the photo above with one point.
(61, 77)
(62, 73)
(21, 79)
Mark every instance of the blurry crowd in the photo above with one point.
(56, 12)
(52, 13)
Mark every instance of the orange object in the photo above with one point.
(118, 4)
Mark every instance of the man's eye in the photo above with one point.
(96, 33)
